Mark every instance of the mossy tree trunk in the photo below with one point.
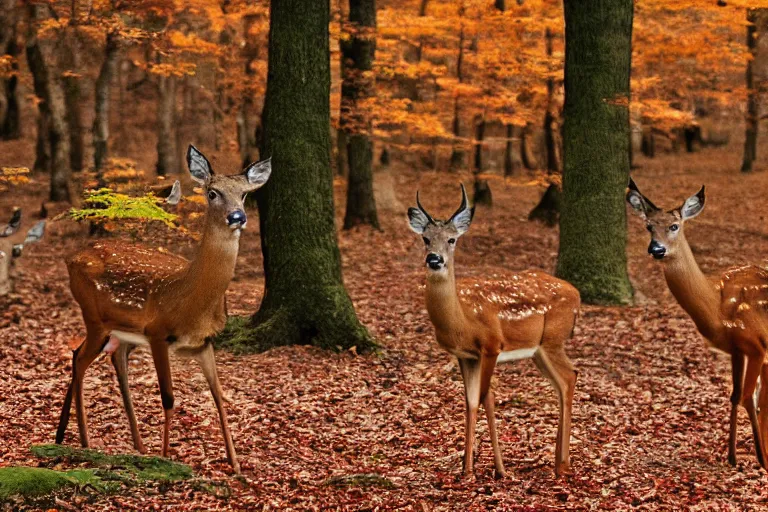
(357, 86)
(305, 300)
(101, 117)
(10, 121)
(593, 224)
(757, 20)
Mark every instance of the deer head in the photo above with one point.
(440, 236)
(226, 194)
(9, 250)
(666, 227)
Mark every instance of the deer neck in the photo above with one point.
(443, 303)
(693, 291)
(213, 267)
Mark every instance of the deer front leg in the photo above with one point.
(207, 362)
(120, 362)
(487, 366)
(737, 373)
(470, 372)
(88, 353)
(165, 381)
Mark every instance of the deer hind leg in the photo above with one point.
(557, 368)
(762, 403)
(120, 362)
(165, 382)
(207, 362)
(737, 373)
(67, 407)
(754, 367)
(470, 372)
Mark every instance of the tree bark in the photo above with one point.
(52, 104)
(71, 66)
(528, 157)
(10, 121)
(482, 190)
(167, 157)
(512, 161)
(758, 22)
(305, 300)
(357, 86)
(593, 225)
(101, 118)
(551, 119)
(457, 154)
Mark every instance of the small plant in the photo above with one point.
(104, 206)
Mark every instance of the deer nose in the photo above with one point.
(656, 250)
(237, 219)
(435, 261)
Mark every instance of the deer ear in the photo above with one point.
(693, 205)
(638, 201)
(418, 220)
(199, 166)
(463, 216)
(258, 173)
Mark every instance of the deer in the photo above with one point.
(499, 319)
(12, 248)
(730, 312)
(132, 295)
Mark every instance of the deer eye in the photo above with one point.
(451, 241)
(674, 227)
(426, 240)
(649, 228)
(212, 195)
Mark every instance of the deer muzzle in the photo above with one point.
(656, 250)
(435, 261)
(237, 219)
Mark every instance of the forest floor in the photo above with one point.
(651, 406)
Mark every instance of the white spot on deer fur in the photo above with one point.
(131, 337)
(515, 355)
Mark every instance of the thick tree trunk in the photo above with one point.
(358, 85)
(167, 157)
(71, 67)
(305, 301)
(101, 118)
(42, 145)
(10, 122)
(758, 22)
(52, 106)
(593, 224)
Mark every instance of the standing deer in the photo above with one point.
(488, 321)
(729, 312)
(132, 295)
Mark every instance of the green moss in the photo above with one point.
(129, 466)
(364, 480)
(31, 482)
(104, 205)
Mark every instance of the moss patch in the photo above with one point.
(123, 466)
(33, 482)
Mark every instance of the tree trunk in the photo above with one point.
(758, 22)
(551, 119)
(52, 106)
(42, 144)
(69, 48)
(528, 157)
(512, 161)
(101, 118)
(482, 190)
(593, 224)
(457, 154)
(357, 86)
(10, 122)
(305, 300)
(167, 157)
(548, 209)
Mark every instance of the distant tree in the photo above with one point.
(593, 231)
(102, 100)
(10, 122)
(358, 87)
(305, 300)
(757, 20)
(41, 54)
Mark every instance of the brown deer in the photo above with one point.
(133, 295)
(484, 322)
(730, 312)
